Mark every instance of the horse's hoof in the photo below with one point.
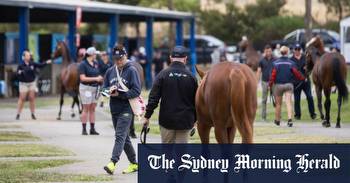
(72, 115)
(322, 117)
(58, 118)
(326, 124)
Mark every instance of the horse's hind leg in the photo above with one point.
(72, 107)
(327, 106)
(231, 132)
(61, 103)
(204, 132)
(319, 101)
(339, 108)
(221, 135)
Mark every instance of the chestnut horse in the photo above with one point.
(226, 100)
(328, 69)
(69, 79)
(251, 54)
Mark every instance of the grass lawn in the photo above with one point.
(345, 114)
(17, 136)
(29, 171)
(31, 150)
(9, 126)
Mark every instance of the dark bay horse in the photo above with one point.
(69, 79)
(251, 54)
(328, 69)
(226, 100)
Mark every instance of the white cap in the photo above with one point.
(92, 51)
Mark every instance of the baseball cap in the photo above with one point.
(297, 46)
(92, 51)
(179, 52)
(118, 52)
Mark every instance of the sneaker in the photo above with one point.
(297, 117)
(17, 117)
(290, 123)
(93, 132)
(133, 167)
(277, 123)
(84, 132)
(109, 168)
(33, 117)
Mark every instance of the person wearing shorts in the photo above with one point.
(90, 79)
(282, 80)
(27, 84)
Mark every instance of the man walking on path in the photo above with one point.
(264, 69)
(282, 78)
(305, 86)
(176, 88)
(123, 72)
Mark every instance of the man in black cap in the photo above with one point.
(122, 73)
(299, 86)
(176, 88)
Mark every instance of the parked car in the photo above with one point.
(232, 54)
(205, 45)
(329, 37)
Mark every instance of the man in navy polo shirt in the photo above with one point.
(265, 68)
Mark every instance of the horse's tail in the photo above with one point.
(339, 80)
(239, 112)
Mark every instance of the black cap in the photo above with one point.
(297, 46)
(119, 52)
(179, 52)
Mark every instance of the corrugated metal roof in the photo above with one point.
(93, 6)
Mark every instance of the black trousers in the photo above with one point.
(306, 87)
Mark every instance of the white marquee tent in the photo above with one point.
(345, 38)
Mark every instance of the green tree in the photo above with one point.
(339, 7)
(275, 27)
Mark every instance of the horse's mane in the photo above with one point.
(317, 43)
(65, 47)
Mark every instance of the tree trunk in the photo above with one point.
(340, 9)
(308, 20)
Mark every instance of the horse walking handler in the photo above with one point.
(90, 80)
(176, 88)
(123, 72)
(300, 62)
(282, 79)
(27, 83)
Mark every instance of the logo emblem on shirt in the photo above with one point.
(179, 75)
(32, 67)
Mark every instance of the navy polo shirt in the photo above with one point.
(266, 66)
(89, 71)
(26, 72)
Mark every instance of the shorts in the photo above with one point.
(280, 89)
(26, 87)
(88, 94)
